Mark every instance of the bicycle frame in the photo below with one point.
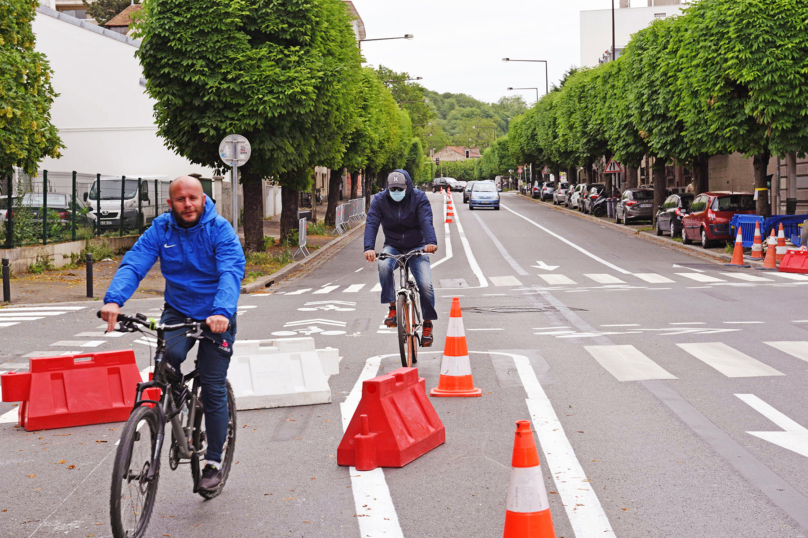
(409, 289)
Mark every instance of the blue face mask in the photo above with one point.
(398, 196)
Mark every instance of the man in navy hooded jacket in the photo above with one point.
(203, 263)
(406, 218)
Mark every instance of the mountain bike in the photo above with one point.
(136, 471)
(408, 308)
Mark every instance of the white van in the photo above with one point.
(106, 198)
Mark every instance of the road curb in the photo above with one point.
(697, 252)
(277, 276)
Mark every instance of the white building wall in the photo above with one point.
(596, 28)
(103, 114)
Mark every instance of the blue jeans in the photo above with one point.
(212, 361)
(419, 268)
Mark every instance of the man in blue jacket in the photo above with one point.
(406, 218)
(203, 263)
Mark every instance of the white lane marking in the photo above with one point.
(795, 349)
(582, 505)
(358, 269)
(604, 278)
(800, 321)
(475, 267)
(501, 248)
(795, 436)
(688, 323)
(9, 417)
(624, 325)
(353, 288)
(744, 322)
(689, 268)
(549, 328)
(372, 500)
(505, 281)
(698, 277)
(494, 295)
(557, 280)
(100, 334)
(298, 292)
(12, 314)
(570, 243)
(326, 289)
(78, 343)
(790, 276)
(7, 322)
(653, 278)
(729, 361)
(246, 306)
(485, 329)
(627, 363)
(447, 238)
(42, 308)
(747, 277)
(553, 333)
(377, 287)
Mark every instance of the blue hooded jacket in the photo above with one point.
(203, 265)
(407, 224)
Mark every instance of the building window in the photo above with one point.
(659, 15)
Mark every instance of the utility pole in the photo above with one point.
(614, 51)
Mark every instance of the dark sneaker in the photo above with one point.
(426, 336)
(390, 320)
(211, 478)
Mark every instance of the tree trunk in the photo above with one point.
(632, 177)
(572, 175)
(679, 174)
(354, 184)
(253, 211)
(289, 206)
(701, 175)
(761, 164)
(660, 185)
(333, 194)
(367, 182)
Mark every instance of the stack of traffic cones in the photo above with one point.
(455, 369)
(781, 249)
(757, 246)
(770, 263)
(449, 211)
(527, 509)
(737, 253)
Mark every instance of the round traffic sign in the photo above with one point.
(235, 150)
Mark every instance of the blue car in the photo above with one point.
(484, 194)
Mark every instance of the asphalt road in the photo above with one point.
(643, 370)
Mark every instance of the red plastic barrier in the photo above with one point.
(74, 390)
(393, 424)
(795, 261)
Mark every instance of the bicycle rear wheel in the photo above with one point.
(407, 342)
(132, 496)
(200, 442)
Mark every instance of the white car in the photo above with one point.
(574, 200)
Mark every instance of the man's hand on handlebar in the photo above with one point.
(431, 249)
(110, 314)
(217, 324)
(370, 256)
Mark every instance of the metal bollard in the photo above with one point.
(6, 281)
(90, 275)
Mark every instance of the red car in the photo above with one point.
(710, 213)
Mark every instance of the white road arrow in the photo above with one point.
(315, 321)
(795, 436)
(542, 265)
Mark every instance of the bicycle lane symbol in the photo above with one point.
(336, 306)
(309, 327)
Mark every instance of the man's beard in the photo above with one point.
(182, 223)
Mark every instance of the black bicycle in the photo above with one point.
(136, 471)
(408, 308)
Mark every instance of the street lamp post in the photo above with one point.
(405, 36)
(546, 72)
(537, 91)
(613, 49)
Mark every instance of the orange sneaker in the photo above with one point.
(390, 321)
(426, 336)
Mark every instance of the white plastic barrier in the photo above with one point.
(281, 373)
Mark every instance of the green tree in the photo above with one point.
(280, 73)
(104, 11)
(26, 94)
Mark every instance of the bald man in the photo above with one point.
(203, 263)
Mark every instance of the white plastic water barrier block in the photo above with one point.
(282, 372)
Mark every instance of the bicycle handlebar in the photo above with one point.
(385, 255)
(151, 324)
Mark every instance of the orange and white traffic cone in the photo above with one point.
(449, 215)
(527, 512)
(770, 263)
(781, 244)
(757, 246)
(737, 253)
(455, 369)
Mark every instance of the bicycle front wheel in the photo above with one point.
(133, 494)
(407, 342)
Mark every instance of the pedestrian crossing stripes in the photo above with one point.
(605, 279)
(627, 363)
(700, 277)
(729, 361)
(19, 314)
(795, 349)
(557, 280)
(653, 278)
(353, 288)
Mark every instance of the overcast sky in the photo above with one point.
(459, 44)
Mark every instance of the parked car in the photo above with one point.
(484, 194)
(670, 215)
(535, 191)
(467, 191)
(560, 194)
(139, 210)
(547, 190)
(635, 204)
(461, 185)
(595, 191)
(574, 200)
(60, 203)
(439, 182)
(710, 213)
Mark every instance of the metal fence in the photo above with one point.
(349, 214)
(302, 237)
(65, 206)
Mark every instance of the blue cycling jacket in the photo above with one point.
(203, 265)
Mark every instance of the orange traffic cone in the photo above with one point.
(455, 369)
(770, 263)
(781, 249)
(757, 246)
(737, 254)
(527, 512)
